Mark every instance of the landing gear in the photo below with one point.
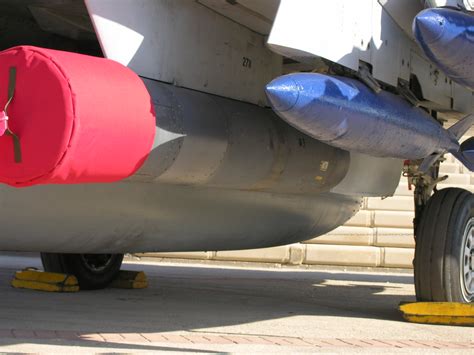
(93, 271)
(444, 253)
(444, 235)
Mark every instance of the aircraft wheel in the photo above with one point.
(444, 253)
(93, 271)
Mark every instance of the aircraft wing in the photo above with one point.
(191, 46)
(366, 32)
(374, 34)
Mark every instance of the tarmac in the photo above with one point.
(208, 308)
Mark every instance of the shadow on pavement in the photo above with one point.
(191, 298)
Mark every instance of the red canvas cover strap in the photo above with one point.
(4, 129)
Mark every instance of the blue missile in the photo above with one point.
(345, 113)
(447, 38)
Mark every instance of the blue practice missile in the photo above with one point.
(345, 113)
(447, 38)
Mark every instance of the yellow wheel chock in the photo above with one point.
(55, 282)
(45, 281)
(130, 280)
(446, 313)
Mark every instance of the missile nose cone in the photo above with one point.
(429, 26)
(282, 93)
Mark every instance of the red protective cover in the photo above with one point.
(79, 118)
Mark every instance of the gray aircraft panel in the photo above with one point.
(138, 217)
(222, 175)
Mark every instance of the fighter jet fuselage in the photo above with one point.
(353, 95)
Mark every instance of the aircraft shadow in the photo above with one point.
(190, 298)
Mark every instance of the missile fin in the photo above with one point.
(457, 130)
(466, 159)
(462, 126)
(466, 153)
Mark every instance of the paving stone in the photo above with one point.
(6, 333)
(112, 337)
(172, 338)
(337, 343)
(92, 337)
(134, 338)
(45, 334)
(23, 334)
(161, 338)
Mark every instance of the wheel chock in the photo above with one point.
(446, 313)
(130, 280)
(45, 281)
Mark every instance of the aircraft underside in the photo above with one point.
(268, 122)
(257, 183)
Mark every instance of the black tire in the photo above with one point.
(441, 263)
(93, 271)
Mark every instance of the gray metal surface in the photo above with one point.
(223, 175)
(206, 140)
(467, 261)
(370, 176)
(187, 43)
(131, 217)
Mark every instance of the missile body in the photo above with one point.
(447, 38)
(345, 113)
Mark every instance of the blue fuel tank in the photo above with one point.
(345, 113)
(447, 38)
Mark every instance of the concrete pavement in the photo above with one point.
(200, 308)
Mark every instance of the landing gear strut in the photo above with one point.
(444, 234)
(93, 271)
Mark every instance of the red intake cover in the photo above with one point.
(79, 118)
